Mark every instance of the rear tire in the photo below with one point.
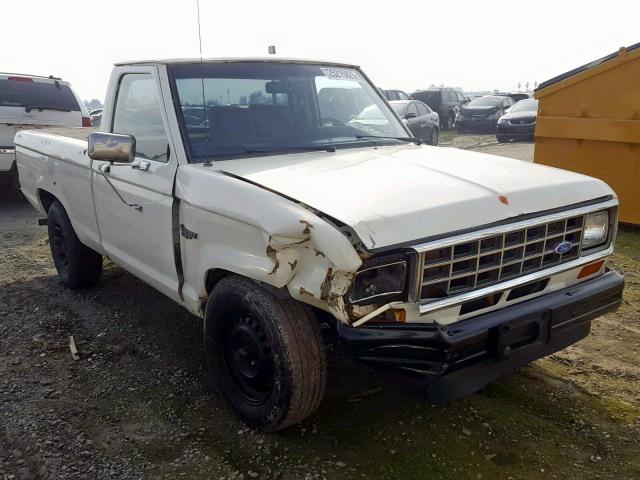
(267, 355)
(502, 139)
(435, 135)
(78, 266)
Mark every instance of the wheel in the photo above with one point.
(267, 355)
(434, 137)
(78, 266)
(502, 139)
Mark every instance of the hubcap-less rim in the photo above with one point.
(60, 246)
(248, 358)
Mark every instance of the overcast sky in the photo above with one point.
(401, 44)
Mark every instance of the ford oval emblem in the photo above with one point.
(563, 247)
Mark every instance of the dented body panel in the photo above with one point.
(250, 231)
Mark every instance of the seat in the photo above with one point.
(231, 124)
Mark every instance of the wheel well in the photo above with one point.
(46, 199)
(213, 277)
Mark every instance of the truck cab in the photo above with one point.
(253, 193)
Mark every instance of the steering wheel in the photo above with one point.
(335, 122)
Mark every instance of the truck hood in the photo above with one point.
(398, 194)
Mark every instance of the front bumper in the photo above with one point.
(477, 124)
(516, 130)
(464, 357)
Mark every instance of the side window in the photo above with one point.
(422, 109)
(137, 113)
(460, 97)
(403, 96)
(411, 109)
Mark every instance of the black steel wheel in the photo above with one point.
(266, 355)
(247, 357)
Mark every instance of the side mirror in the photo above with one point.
(112, 147)
(410, 115)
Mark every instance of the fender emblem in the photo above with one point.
(186, 233)
(562, 247)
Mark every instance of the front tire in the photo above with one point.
(502, 138)
(267, 355)
(78, 266)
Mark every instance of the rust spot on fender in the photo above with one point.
(271, 252)
(325, 288)
(307, 227)
(503, 199)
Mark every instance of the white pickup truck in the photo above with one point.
(252, 192)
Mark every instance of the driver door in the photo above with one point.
(134, 202)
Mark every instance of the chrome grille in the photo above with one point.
(453, 269)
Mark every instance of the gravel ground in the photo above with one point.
(138, 404)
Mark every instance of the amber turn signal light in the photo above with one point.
(590, 269)
(400, 315)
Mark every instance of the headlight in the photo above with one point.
(379, 283)
(596, 229)
(459, 117)
(502, 120)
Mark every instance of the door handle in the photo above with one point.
(143, 166)
(104, 169)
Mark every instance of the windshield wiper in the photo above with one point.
(415, 140)
(40, 108)
(241, 149)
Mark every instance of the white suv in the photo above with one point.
(30, 101)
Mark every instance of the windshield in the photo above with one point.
(230, 109)
(486, 102)
(529, 105)
(26, 92)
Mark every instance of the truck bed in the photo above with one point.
(55, 160)
(79, 133)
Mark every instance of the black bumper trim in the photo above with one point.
(464, 357)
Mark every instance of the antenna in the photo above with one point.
(207, 161)
(199, 32)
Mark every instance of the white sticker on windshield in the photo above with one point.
(340, 73)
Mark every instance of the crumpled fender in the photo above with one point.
(246, 229)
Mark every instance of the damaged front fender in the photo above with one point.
(245, 229)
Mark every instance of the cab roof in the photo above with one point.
(174, 61)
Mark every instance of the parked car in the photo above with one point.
(450, 266)
(445, 101)
(516, 97)
(30, 101)
(421, 120)
(395, 94)
(483, 113)
(519, 123)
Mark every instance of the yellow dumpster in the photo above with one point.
(589, 122)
